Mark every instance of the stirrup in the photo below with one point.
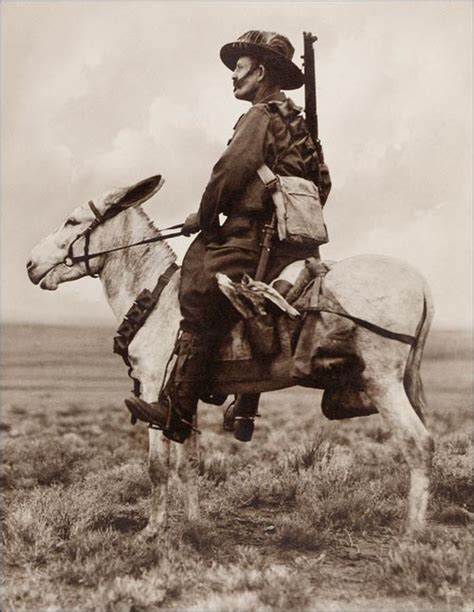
(173, 426)
(229, 417)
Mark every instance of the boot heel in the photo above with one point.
(243, 429)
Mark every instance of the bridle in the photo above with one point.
(100, 219)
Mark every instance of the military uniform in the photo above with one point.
(271, 132)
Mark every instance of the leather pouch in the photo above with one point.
(262, 335)
(298, 208)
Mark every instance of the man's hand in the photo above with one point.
(191, 225)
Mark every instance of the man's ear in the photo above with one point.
(261, 72)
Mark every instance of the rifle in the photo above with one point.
(311, 113)
(267, 240)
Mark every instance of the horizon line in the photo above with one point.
(113, 325)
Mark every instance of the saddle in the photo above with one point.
(273, 348)
(281, 339)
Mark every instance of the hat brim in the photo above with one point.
(291, 75)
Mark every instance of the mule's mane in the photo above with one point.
(167, 251)
(127, 271)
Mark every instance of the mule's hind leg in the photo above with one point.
(415, 442)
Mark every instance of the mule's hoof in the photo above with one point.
(146, 535)
(412, 532)
(151, 533)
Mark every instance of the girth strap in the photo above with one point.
(136, 318)
(382, 331)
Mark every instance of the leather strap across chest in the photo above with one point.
(136, 318)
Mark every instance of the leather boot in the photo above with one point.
(177, 404)
(240, 416)
(189, 378)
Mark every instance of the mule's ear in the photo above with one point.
(141, 192)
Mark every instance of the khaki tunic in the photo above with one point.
(271, 132)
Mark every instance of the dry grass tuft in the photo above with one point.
(298, 533)
(275, 587)
(438, 566)
(217, 467)
(267, 486)
(201, 535)
(44, 461)
(126, 593)
(452, 490)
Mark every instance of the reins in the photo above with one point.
(72, 259)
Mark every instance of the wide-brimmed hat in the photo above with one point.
(269, 46)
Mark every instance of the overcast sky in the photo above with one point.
(103, 94)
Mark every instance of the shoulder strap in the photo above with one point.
(272, 184)
(268, 177)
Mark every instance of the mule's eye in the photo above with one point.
(72, 222)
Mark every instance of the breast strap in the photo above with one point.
(136, 317)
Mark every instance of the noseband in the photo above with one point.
(72, 259)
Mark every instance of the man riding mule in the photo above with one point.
(273, 132)
(363, 326)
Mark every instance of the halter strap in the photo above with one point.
(96, 212)
(87, 238)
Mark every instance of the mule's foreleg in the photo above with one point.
(415, 442)
(187, 467)
(158, 468)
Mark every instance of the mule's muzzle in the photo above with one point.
(33, 273)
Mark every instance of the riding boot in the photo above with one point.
(189, 378)
(175, 409)
(240, 416)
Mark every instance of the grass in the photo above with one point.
(438, 565)
(71, 526)
(307, 516)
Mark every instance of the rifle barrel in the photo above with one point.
(311, 112)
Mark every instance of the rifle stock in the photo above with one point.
(266, 247)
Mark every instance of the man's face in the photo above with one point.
(246, 79)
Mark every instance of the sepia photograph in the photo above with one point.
(237, 306)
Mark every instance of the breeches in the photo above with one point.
(204, 308)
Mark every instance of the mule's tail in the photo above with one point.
(412, 378)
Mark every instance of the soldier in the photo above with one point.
(273, 131)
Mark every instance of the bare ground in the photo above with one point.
(307, 516)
